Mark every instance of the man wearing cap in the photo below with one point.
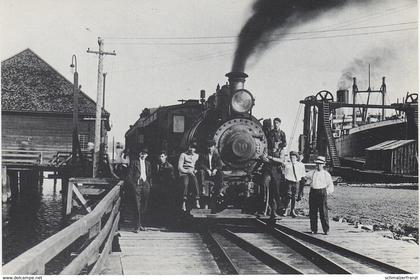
(321, 185)
(209, 168)
(294, 171)
(139, 179)
(277, 139)
(187, 170)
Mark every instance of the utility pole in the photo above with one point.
(103, 108)
(113, 150)
(99, 97)
(75, 108)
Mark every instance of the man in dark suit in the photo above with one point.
(139, 179)
(210, 168)
(164, 183)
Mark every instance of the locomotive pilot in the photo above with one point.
(210, 168)
(139, 179)
(187, 170)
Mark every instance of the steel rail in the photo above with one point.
(221, 252)
(263, 256)
(365, 260)
(319, 260)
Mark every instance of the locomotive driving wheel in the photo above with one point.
(324, 96)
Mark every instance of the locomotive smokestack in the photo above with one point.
(236, 80)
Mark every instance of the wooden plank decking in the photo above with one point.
(398, 253)
(160, 252)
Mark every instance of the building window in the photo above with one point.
(179, 124)
(83, 140)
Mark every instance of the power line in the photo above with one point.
(275, 34)
(263, 41)
(379, 14)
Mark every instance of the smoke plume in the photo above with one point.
(270, 16)
(380, 59)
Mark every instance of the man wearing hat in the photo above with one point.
(321, 186)
(139, 179)
(210, 168)
(294, 171)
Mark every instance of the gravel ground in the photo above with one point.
(394, 209)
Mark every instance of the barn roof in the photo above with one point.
(29, 84)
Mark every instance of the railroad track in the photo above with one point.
(259, 248)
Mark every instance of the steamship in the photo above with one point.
(359, 138)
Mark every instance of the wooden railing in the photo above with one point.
(99, 236)
(21, 157)
(80, 188)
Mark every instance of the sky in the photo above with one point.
(162, 55)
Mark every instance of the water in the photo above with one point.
(30, 221)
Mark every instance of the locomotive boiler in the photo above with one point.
(226, 117)
(240, 141)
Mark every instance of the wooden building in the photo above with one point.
(393, 156)
(37, 107)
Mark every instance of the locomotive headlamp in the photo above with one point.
(242, 101)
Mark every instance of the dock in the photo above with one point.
(162, 252)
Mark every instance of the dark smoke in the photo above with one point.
(272, 15)
(381, 59)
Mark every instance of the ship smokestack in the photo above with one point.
(236, 80)
(342, 97)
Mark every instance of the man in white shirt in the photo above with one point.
(321, 186)
(294, 171)
(187, 169)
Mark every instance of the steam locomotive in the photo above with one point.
(226, 117)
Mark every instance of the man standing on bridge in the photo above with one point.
(272, 178)
(321, 186)
(139, 179)
(164, 184)
(294, 171)
(187, 170)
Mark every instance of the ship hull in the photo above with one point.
(360, 138)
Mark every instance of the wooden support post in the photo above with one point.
(55, 182)
(23, 183)
(14, 182)
(64, 187)
(40, 175)
(69, 198)
(5, 184)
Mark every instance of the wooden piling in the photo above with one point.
(13, 177)
(55, 182)
(5, 185)
(64, 190)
